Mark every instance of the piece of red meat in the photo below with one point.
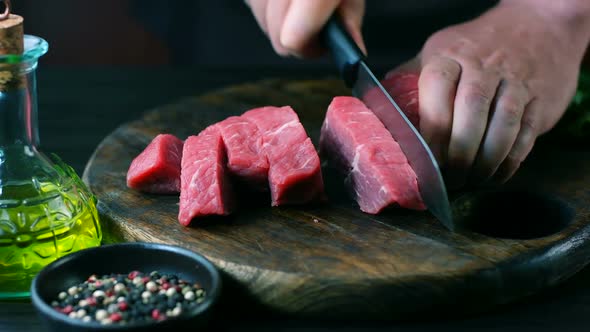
(375, 166)
(243, 144)
(294, 175)
(205, 185)
(157, 168)
(403, 88)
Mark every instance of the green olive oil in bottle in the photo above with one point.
(46, 211)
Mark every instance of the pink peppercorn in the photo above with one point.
(115, 317)
(157, 315)
(123, 306)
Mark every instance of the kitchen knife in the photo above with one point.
(357, 75)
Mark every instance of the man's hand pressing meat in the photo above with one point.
(488, 87)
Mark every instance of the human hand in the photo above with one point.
(489, 87)
(293, 25)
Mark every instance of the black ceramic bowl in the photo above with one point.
(124, 258)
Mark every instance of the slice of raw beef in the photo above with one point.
(243, 144)
(375, 166)
(157, 168)
(294, 175)
(205, 185)
(403, 87)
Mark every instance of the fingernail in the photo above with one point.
(363, 47)
(358, 38)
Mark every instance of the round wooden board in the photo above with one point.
(333, 260)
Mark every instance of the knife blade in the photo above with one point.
(358, 76)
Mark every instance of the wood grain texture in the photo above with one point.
(333, 260)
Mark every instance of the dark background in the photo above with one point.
(214, 33)
(111, 60)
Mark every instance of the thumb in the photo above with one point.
(303, 22)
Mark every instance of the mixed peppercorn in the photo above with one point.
(126, 299)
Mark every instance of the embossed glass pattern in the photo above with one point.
(46, 211)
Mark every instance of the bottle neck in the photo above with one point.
(18, 108)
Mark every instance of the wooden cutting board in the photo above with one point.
(335, 261)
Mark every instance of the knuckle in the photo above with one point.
(445, 72)
(511, 111)
(477, 97)
(529, 123)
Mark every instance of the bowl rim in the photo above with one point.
(46, 309)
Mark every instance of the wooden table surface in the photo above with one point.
(79, 106)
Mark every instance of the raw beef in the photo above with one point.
(157, 168)
(205, 185)
(403, 87)
(243, 144)
(374, 163)
(294, 175)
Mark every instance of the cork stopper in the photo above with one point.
(11, 42)
(11, 35)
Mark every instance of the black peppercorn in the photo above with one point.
(131, 298)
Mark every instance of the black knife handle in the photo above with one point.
(345, 51)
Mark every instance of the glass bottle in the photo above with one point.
(46, 211)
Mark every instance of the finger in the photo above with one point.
(475, 93)
(258, 8)
(352, 13)
(529, 130)
(303, 22)
(503, 128)
(436, 91)
(276, 11)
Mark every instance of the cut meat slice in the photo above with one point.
(408, 103)
(403, 87)
(374, 163)
(294, 175)
(400, 82)
(157, 168)
(205, 185)
(243, 144)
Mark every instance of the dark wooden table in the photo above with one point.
(79, 106)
